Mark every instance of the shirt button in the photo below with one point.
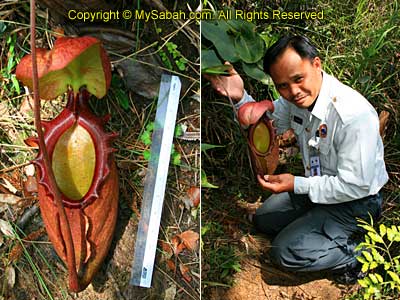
(334, 99)
(308, 168)
(308, 129)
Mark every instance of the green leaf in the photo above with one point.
(176, 159)
(387, 266)
(146, 138)
(363, 283)
(365, 268)
(224, 43)
(373, 278)
(382, 230)
(122, 98)
(373, 265)
(249, 46)
(394, 276)
(178, 130)
(204, 181)
(15, 84)
(377, 256)
(379, 277)
(209, 59)
(375, 237)
(368, 228)
(150, 126)
(204, 146)
(367, 255)
(390, 234)
(146, 154)
(361, 259)
(218, 70)
(254, 71)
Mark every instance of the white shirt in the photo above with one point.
(351, 153)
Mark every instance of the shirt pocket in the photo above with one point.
(327, 157)
(297, 128)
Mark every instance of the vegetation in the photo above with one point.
(358, 44)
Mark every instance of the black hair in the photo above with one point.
(300, 44)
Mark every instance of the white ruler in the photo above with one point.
(155, 181)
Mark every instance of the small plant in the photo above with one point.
(145, 137)
(10, 82)
(179, 60)
(379, 259)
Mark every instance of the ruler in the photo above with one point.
(155, 181)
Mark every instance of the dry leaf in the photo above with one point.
(6, 228)
(171, 265)
(167, 249)
(190, 239)
(10, 275)
(170, 293)
(9, 199)
(9, 186)
(185, 271)
(1, 240)
(194, 195)
(177, 246)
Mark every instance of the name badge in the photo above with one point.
(315, 167)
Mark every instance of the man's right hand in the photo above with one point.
(231, 85)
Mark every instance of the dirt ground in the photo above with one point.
(259, 280)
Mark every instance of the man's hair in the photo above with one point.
(300, 44)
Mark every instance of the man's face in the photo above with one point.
(298, 80)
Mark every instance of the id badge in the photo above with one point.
(315, 166)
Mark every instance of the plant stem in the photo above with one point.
(64, 224)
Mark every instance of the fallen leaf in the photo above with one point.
(177, 245)
(171, 265)
(185, 271)
(9, 186)
(9, 199)
(190, 239)
(194, 195)
(192, 198)
(10, 275)
(6, 228)
(167, 249)
(170, 293)
(1, 240)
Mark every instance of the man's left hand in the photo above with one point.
(277, 183)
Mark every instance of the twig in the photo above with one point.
(29, 213)
(64, 225)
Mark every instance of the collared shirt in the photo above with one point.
(350, 150)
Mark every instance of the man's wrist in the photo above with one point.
(245, 99)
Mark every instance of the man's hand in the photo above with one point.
(231, 85)
(277, 183)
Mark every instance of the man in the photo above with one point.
(313, 218)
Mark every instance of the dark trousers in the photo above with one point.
(314, 237)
